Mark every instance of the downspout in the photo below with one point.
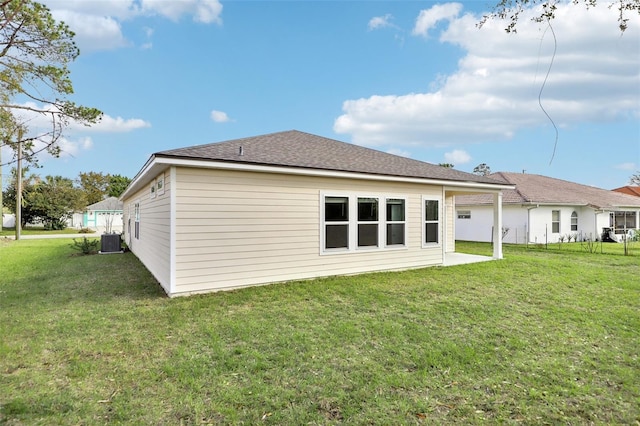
(529, 222)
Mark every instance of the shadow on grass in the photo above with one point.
(50, 272)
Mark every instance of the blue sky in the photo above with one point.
(414, 78)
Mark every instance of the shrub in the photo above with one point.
(86, 246)
(55, 225)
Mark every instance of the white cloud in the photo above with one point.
(204, 11)
(428, 18)
(494, 92)
(380, 22)
(219, 116)
(400, 152)
(110, 124)
(97, 24)
(457, 157)
(71, 148)
(93, 32)
(626, 166)
(70, 143)
(39, 123)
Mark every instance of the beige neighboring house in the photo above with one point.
(289, 206)
(542, 210)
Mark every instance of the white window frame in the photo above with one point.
(323, 224)
(574, 221)
(160, 185)
(439, 221)
(366, 222)
(386, 221)
(559, 221)
(353, 222)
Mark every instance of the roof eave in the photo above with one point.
(158, 162)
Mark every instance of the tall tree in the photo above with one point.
(9, 198)
(35, 52)
(510, 10)
(54, 200)
(635, 179)
(117, 185)
(446, 165)
(94, 186)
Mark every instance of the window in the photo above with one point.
(361, 222)
(336, 217)
(367, 222)
(555, 221)
(431, 222)
(160, 185)
(137, 220)
(153, 188)
(622, 221)
(464, 214)
(395, 221)
(574, 221)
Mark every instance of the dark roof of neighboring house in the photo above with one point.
(631, 190)
(108, 204)
(537, 189)
(303, 150)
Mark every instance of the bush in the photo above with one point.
(55, 225)
(86, 246)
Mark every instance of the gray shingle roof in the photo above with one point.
(303, 150)
(537, 189)
(111, 203)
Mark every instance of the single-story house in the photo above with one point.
(288, 206)
(104, 216)
(542, 210)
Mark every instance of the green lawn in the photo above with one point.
(39, 230)
(542, 337)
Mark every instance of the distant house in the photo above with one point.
(104, 216)
(289, 206)
(630, 190)
(542, 209)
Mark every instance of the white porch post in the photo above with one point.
(497, 225)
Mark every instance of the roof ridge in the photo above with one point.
(295, 148)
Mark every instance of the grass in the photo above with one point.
(542, 337)
(38, 230)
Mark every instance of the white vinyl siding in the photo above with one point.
(236, 228)
(152, 243)
(450, 224)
